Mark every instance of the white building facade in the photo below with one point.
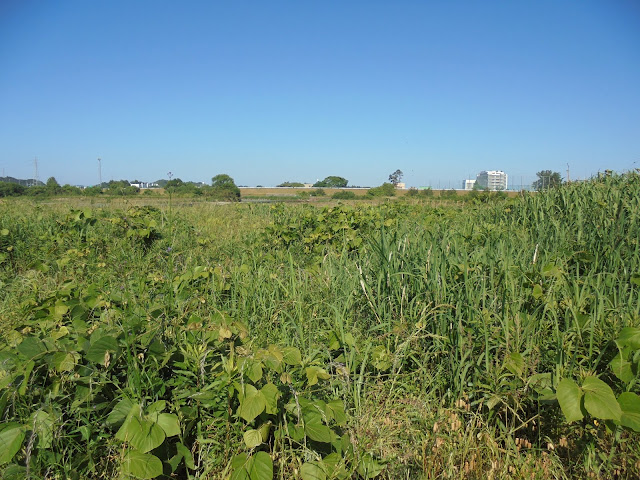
(492, 180)
(468, 184)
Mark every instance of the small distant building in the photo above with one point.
(307, 185)
(401, 185)
(492, 180)
(468, 184)
(142, 185)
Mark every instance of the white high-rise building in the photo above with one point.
(492, 180)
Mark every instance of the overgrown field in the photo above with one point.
(406, 340)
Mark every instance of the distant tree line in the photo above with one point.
(222, 188)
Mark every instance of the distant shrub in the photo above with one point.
(318, 192)
(291, 184)
(384, 190)
(449, 194)
(485, 196)
(344, 195)
(9, 189)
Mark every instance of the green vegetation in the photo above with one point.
(332, 182)
(384, 190)
(396, 177)
(344, 195)
(224, 188)
(408, 339)
(547, 179)
(291, 184)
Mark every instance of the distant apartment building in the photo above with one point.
(468, 184)
(492, 180)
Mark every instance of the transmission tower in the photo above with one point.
(35, 171)
(100, 172)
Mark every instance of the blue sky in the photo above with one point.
(284, 90)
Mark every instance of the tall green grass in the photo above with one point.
(445, 331)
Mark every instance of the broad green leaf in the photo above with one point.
(333, 342)
(186, 454)
(515, 363)
(318, 432)
(120, 412)
(252, 438)
(240, 465)
(224, 332)
(335, 410)
(349, 340)
(381, 358)
(254, 372)
(169, 423)
(43, 424)
(126, 431)
(312, 471)
(141, 465)
(28, 368)
(537, 292)
(291, 356)
(145, 435)
(621, 367)
(314, 373)
(64, 362)
(156, 407)
(569, 396)
(271, 395)
(62, 332)
(252, 405)
(97, 350)
(264, 430)
(239, 461)
(630, 407)
(272, 357)
(11, 437)
(59, 310)
(31, 347)
(629, 336)
(599, 399)
(261, 467)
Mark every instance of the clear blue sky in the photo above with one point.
(275, 91)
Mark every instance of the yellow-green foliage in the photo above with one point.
(403, 340)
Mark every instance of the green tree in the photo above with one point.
(332, 182)
(10, 189)
(396, 177)
(53, 186)
(291, 184)
(224, 188)
(547, 179)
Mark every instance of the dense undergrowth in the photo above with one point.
(402, 340)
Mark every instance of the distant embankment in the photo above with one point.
(295, 191)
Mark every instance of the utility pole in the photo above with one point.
(568, 178)
(100, 172)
